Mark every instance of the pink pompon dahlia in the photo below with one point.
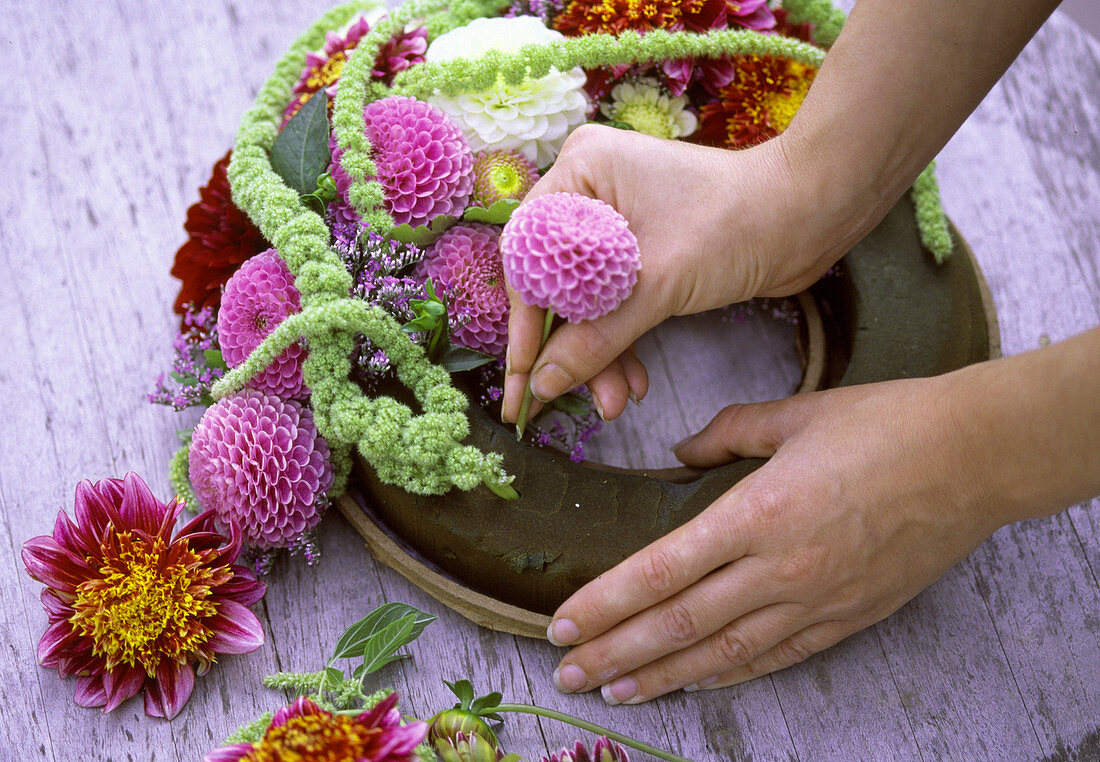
(257, 298)
(500, 175)
(571, 254)
(305, 731)
(132, 605)
(605, 750)
(424, 162)
(259, 462)
(466, 262)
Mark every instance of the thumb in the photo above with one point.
(755, 430)
(575, 352)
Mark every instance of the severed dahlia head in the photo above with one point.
(571, 254)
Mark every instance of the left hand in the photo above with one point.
(870, 495)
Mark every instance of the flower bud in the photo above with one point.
(470, 748)
(449, 724)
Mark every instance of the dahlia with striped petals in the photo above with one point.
(466, 262)
(305, 731)
(571, 254)
(133, 605)
(757, 105)
(257, 298)
(259, 463)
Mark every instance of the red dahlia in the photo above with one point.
(220, 239)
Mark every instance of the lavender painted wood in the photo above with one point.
(129, 108)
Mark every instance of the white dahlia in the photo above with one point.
(533, 118)
(647, 108)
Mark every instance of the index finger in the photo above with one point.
(658, 571)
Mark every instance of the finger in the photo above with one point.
(524, 334)
(787, 653)
(656, 572)
(670, 626)
(510, 402)
(576, 352)
(637, 377)
(733, 646)
(609, 391)
(744, 431)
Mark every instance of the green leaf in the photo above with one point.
(214, 359)
(464, 689)
(506, 491)
(354, 640)
(380, 647)
(488, 702)
(300, 153)
(497, 214)
(422, 324)
(367, 667)
(457, 359)
(332, 680)
(424, 234)
(572, 404)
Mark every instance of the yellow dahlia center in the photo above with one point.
(314, 738)
(327, 73)
(145, 606)
(647, 118)
(782, 105)
(507, 179)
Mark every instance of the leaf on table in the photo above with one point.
(355, 638)
(380, 648)
(300, 153)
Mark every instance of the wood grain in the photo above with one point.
(112, 120)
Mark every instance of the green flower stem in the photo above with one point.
(589, 726)
(521, 421)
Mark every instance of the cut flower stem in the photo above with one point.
(521, 420)
(589, 726)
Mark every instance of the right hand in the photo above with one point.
(714, 227)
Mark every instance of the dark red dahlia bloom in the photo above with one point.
(131, 604)
(304, 730)
(220, 239)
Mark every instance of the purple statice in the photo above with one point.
(568, 430)
(545, 10)
(198, 363)
(380, 270)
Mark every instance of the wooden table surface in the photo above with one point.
(115, 113)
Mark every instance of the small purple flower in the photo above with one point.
(259, 462)
(257, 298)
(571, 254)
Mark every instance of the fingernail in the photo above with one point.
(507, 363)
(569, 678)
(621, 691)
(599, 407)
(683, 441)
(549, 382)
(563, 632)
(634, 398)
(706, 682)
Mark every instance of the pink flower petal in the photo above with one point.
(165, 696)
(236, 629)
(228, 753)
(52, 565)
(121, 683)
(89, 691)
(58, 637)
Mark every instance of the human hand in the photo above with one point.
(871, 494)
(714, 227)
